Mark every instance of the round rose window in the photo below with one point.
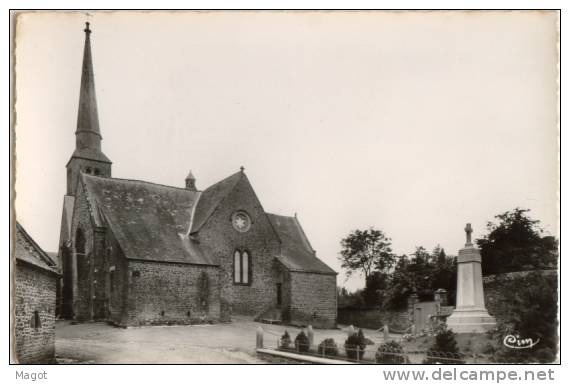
(241, 221)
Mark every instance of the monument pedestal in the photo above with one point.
(470, 314)
(471, 321)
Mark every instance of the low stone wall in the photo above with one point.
(397, 321)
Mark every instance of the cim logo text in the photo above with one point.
(515, 342)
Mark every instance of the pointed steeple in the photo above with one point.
(87, 156)
(191, 181)
(88, 135)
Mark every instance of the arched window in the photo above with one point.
(80, 242)
(237, 267)
(242, 267)
(96, 172)
(112, 281)
(88, 170)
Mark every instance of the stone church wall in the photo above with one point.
(116, 269)
(170, 293)
(34, 291)
(220, 239)
(83, 267)
(313, 299)
(78, 165)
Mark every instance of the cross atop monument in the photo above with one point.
(468, 231)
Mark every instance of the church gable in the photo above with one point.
(238, 203)
(211, 198)
(240, 237)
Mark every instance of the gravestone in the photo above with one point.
(259, 338)
(470, 314)
(310, 335)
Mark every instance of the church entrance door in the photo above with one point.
(279, 295)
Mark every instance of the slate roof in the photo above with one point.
(211, 198)
(29, 252)
(90, 154)
(296, 251)
(150, 221)
(54, 258)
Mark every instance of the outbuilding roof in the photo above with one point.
(29, 252)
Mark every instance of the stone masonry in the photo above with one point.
(221, 240)
(34, 296)
(34, 291)
(313, 299)
(168, 293)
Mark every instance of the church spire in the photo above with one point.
(87, 156)
(87, 134)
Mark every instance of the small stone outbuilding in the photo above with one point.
(34, 301)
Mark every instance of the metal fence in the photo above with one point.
(372, 354)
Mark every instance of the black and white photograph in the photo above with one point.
(285, 187)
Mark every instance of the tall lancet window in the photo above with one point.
(237, 267)
(242, 267)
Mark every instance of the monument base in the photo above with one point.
(464, 320)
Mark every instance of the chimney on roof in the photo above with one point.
(191, 182)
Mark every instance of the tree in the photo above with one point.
(366, 251)
(530, 310)
(515, 243)
(438, 254)
(444, 349)
(373, 293)
(445, 276)
(401, 284)
(422, 272)
(350, 299)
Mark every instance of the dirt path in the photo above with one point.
(232, 343)
(199, 344)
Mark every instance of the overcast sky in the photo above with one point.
(412, 122)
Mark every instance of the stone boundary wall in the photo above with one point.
(514, 275)
(494, 286)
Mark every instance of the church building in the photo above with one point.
(134, 252)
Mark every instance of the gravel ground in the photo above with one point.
(232, 343)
